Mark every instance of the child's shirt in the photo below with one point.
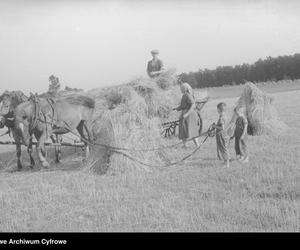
(221, 123)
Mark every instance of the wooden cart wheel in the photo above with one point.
(166, 132)
(169, 131)
(173, 129)
(170, 128)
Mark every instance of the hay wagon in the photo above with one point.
(169, 128)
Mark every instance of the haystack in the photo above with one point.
(167, 79)
(161, 94)
(159, 102)
(260, 111)
(129, 116)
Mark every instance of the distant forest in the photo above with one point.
(270, 69)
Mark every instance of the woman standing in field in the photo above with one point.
(189, 121)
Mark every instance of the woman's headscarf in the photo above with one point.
(187, 89)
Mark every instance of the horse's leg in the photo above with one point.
(41, 149)
(58, 148)
(53, 139)
(29, 150)
(87, 129)
(80, 130)
(18, 149)
(56, 139)
(89, 137)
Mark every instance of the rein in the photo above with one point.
(37, 111)
(52, 104)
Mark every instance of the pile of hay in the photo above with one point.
(167, 79)
(129, 116)
(260, 111)
(160, 102)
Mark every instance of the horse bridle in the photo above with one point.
(8, 118)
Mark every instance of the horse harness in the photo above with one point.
(40, 115)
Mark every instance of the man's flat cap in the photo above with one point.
(155, 51)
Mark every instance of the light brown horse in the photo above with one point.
(9, 100)
(43, 117)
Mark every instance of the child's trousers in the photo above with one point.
(240, 146)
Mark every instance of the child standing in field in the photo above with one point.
(240, 135)
(222, 139)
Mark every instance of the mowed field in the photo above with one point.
(198, 195)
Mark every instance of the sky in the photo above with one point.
(90, 44)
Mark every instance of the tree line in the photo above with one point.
(269, 69)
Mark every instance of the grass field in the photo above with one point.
(199, 195)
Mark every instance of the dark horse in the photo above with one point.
(9, 100)
(43, 117)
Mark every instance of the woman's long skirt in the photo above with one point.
(240, 145)
(189, 127)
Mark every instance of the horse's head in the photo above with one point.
(22, 121)
(8, 103)
(5, 107)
